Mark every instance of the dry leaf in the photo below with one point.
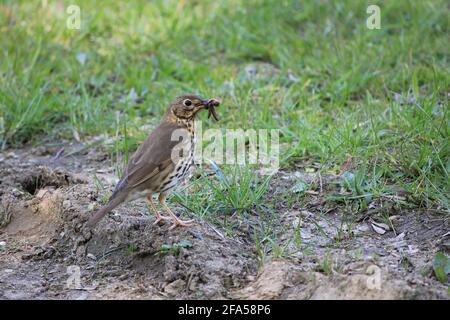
(381, 225)
(378, 229)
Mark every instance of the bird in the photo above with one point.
(163, 161)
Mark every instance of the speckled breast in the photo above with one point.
(183, 167)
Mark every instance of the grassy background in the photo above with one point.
(339, 91)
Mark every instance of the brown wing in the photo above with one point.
(151, 158)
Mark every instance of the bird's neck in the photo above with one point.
(187, 123)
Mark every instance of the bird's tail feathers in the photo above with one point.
(112, 203)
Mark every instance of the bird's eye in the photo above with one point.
(187, 103)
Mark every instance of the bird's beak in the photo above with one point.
(210, 102)
(201, 104)
(204, 103)
(209, 105)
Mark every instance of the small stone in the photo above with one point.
(193, 284)
(175, 287)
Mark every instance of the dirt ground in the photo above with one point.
(45, 253)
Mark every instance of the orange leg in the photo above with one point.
(158, 216)
(175, 219)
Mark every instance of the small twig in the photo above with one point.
(109, 252)
(58, 154)
(445, 235)
(215, 230)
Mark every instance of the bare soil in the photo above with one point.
(45, 200)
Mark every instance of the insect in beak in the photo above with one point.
(211, 104)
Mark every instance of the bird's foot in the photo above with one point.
(183, 223)
(160, 218)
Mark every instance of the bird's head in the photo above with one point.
(187, 106)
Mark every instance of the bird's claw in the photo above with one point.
(182, 223)
(161, 218)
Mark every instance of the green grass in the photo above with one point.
(340, 89)
(232, 192)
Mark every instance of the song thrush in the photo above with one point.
(162, 161)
